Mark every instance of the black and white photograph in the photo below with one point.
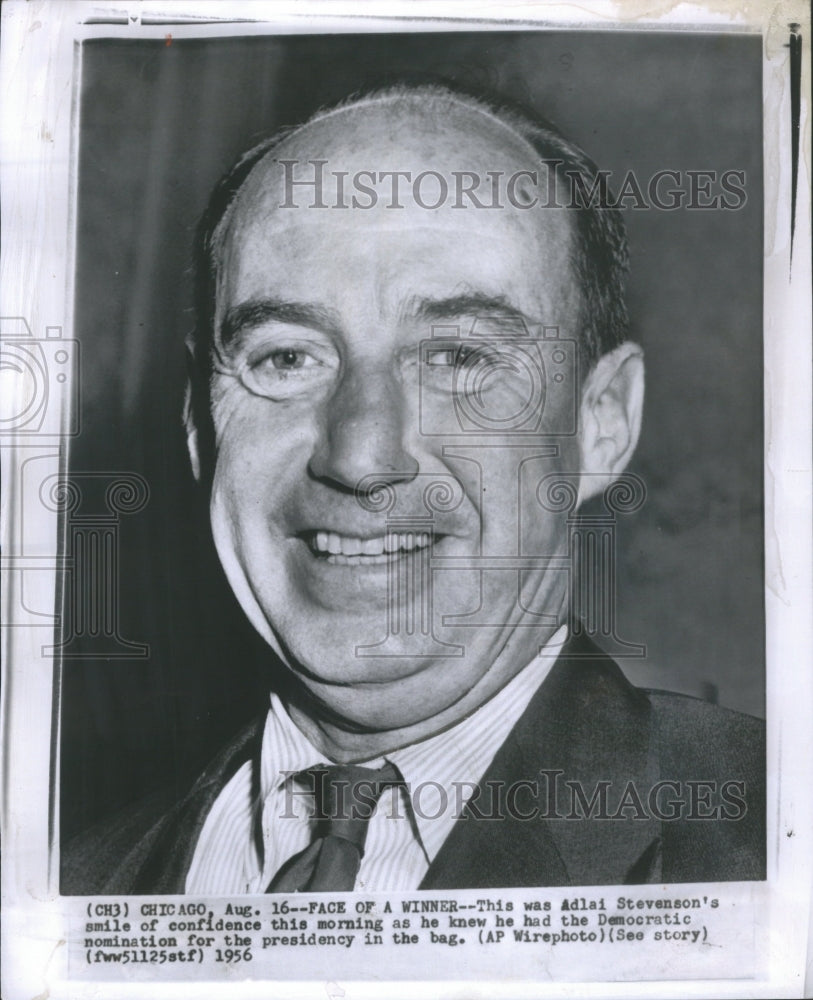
(421, 448)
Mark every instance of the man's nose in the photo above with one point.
(365, 431)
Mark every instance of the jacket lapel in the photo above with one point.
(160, 861)
(586, 730)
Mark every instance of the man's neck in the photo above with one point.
(342, 743)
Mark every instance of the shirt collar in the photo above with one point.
(285, 749)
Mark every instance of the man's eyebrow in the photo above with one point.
(242, 318)
(476, 304)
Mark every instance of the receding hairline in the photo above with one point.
(416, 97)
(408, 97)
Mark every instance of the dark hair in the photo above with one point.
(599, 255)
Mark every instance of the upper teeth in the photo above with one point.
(329, 541)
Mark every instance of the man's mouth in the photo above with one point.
(347, 550)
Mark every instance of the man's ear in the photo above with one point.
(610, 417)
(189, 411)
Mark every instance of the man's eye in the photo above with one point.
(439, 359)
(281, 360)
(459, 356)
(282, 372)
(288, 359)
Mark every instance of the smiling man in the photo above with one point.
(406, 344)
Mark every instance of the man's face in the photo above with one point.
(325, 379)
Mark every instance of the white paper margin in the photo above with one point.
(38, 72)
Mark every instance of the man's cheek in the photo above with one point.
(245, 431)
(228, 401)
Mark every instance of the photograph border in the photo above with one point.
(41, 71)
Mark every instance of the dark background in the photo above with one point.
(161, 122)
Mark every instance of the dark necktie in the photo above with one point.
(346, 797)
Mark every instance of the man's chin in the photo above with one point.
(375, 706)
(345, 651)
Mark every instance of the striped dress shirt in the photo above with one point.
(255, 826)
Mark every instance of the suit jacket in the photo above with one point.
(636, 786)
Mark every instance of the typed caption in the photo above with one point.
(614, 928)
